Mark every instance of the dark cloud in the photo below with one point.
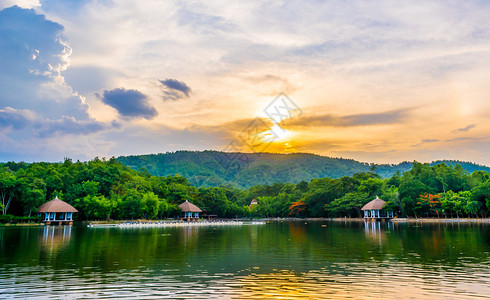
(29, 42)
(426, 141)
(389, 117)
(69, 125)
(464, 129)
(129, 103)
(116, 124)
(236, 126)
(15, 119)
(461, 139)
(175, 89)
(23, 119)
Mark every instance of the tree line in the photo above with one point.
(106, 189)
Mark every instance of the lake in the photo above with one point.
(287, 260)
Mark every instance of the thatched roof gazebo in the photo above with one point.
(191, 212)
(373, 210)
(56, 211)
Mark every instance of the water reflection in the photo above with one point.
(377, 231)
(370, 282)
(190, 233)
(298, 231)
(53, 238)
(278, 260)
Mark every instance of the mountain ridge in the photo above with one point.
(243, 170)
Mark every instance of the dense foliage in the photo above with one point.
(244, 170)
(11, 219)
(106, 189)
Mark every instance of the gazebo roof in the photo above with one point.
(376, 204)
(56, 205)
(187, 206)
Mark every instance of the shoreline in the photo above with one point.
(20, 224)
(247, 220)
(441, 220)
(148, 224)
(396, 220)
(421, 220)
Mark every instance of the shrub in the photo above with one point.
(4, 219)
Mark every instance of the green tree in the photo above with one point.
(130, 206)
(32, 198)
(410, 190)
(163, 208)
(214, 201)
(349, 203)
(8, 183)
(447, 202)
(371, 186)
(481, 194)
(265, 207)
(393, 201)
(150, 205)
(473, 207)
(96, 207)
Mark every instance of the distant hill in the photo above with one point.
(214, 168)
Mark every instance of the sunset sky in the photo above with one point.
(376, 81)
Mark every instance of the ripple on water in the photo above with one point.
(357, 281)
(354, 281)
(292, 262)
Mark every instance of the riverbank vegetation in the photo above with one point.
(106, 189)
(11, 219)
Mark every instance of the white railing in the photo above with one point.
(377, 214)
(51, 216)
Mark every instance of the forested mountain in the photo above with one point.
(243, 170)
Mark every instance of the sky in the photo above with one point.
(376, 81)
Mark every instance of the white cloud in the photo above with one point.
(20, 3)
(334, 58)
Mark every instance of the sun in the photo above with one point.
(277, 134)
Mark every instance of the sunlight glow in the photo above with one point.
(278, 134)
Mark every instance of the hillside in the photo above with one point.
(214, 168)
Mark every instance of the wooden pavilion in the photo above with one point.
(191, 212)
(373, 210)
(56, 212)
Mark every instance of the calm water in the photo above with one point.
(277, 260)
